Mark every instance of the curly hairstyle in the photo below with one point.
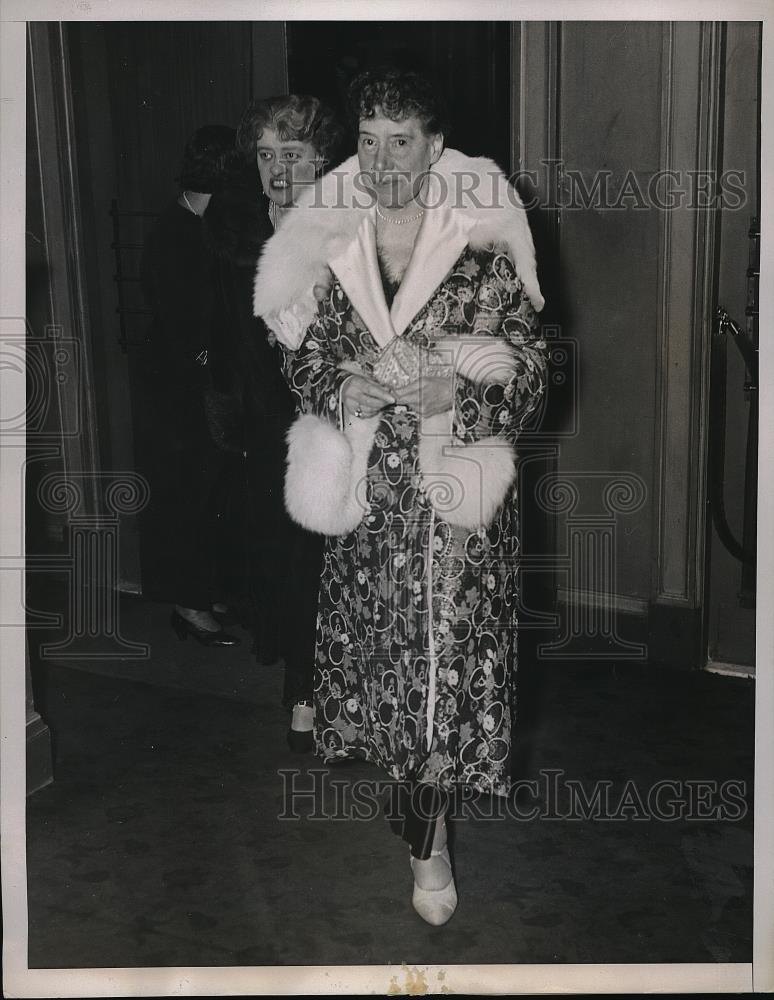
(294, 117)
(205, 157)
(397, 94)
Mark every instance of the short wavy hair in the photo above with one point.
(397, 94)
(295, 117)
(206, 157)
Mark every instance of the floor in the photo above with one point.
(162, 841)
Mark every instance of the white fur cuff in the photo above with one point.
(326, 474)
(325, 484)
(465, 483)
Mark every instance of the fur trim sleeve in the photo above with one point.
(466, 484)
(326, 474)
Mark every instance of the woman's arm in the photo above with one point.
(494, 395)
(312, 371)
(323, 382)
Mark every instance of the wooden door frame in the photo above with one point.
(51, 118)
(691, 100)
(692, 60)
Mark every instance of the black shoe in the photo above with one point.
(205, 636)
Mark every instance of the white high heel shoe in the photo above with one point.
(436, 906)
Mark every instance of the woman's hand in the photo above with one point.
(363, 397)
(427, 395)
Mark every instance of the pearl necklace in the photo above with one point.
(400, 222)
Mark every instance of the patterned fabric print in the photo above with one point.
(373, 635)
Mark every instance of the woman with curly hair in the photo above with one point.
(414, 375)
(284, 143)
(292, 138)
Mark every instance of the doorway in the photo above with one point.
(731, 570)
(470, 62)
(139, 90)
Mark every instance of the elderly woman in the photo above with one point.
(414, 375)
(285, 141)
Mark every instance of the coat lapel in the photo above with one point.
(442, 237)
(357, 269)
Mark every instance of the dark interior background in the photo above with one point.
(468, 60)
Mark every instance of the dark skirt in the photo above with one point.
(187, 474)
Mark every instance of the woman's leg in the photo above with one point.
(422, 823)
(414, 813)
(195, 524)
(268, 557)
(299, 618)
(298, 638)
(194, 530)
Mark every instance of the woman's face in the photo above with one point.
(394, 156)
(286, 166)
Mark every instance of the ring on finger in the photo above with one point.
(358, 412)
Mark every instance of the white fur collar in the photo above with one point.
(474, 201)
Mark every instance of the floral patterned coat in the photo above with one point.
(417, 620)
